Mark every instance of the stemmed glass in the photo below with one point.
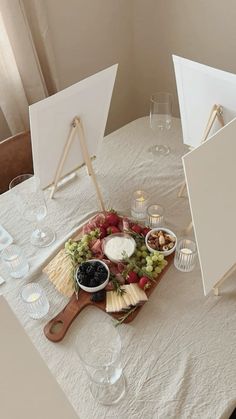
(160, 119)
(98, 346)
(30, 201)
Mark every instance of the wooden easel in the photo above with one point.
(77, 127)
(220, 282)
(216, 112)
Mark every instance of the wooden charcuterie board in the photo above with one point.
(56, 328)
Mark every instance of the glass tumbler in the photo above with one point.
(185, 255)
(15, 261)
(35, 300)
(98, 346)
(155, 215)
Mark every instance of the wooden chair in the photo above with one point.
(15, 158)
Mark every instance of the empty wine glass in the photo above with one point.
(98, 346)
(31, 204)
(160, 119)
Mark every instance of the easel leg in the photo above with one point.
(182, 189)
(216, 288)
(88, 162)
(62, 159)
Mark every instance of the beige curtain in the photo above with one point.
(22, 81)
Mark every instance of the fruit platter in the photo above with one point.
(106, 265)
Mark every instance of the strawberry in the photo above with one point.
(136, 228)
(103, 232)
(144, 283)
(113, 230)
(132, 277)
(145, 231)
(112, 219)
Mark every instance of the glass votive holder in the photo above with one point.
(185, 255)
(35, 300)
(15, 261)
(155, 215)
(139, 204)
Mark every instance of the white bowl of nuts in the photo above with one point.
(162, 240)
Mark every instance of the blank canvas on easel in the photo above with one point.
(51, 119)
(200, 87)
(210, 176)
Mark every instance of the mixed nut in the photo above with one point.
(161, 241)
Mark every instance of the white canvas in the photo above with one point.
(210, 177)
(51, 118)
(27, 388)
(199, 88)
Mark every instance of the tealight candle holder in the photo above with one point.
(35, 300)
(155, 215)
(139, 205)
(185, 255)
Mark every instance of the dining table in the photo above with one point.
(179, 353)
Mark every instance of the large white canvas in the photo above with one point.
(199, 88)
(210, 177)
(27, 390)
(51, 118)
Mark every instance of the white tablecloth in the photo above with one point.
(179, 354)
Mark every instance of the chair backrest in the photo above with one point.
(15, 158)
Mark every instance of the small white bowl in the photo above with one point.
(99, 287)
(111, 237)
(166, 230)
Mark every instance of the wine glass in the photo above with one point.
(160, 119)
(98, 346)
(31, 204)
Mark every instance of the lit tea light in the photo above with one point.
(33, 297)
(139, 204)
(155, 216)
(185, 257)
(186, 251)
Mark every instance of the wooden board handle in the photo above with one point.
(56, 329)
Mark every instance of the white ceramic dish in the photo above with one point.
(166, 230)
(99, 287)
(107, 239)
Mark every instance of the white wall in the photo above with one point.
(201, 30)
(90, 35)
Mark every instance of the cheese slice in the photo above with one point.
(133, 296)
(126, 296)
(129, 295)
(139, 293)
(115, 302)
(108, 302)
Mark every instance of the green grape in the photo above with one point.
(144, 254)
(85, 239)
(158, 269)
(155, 258)
(93, 233)
(149, 262)
(143, 248)
(160, 257)
(139, 254)
(149, 268)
